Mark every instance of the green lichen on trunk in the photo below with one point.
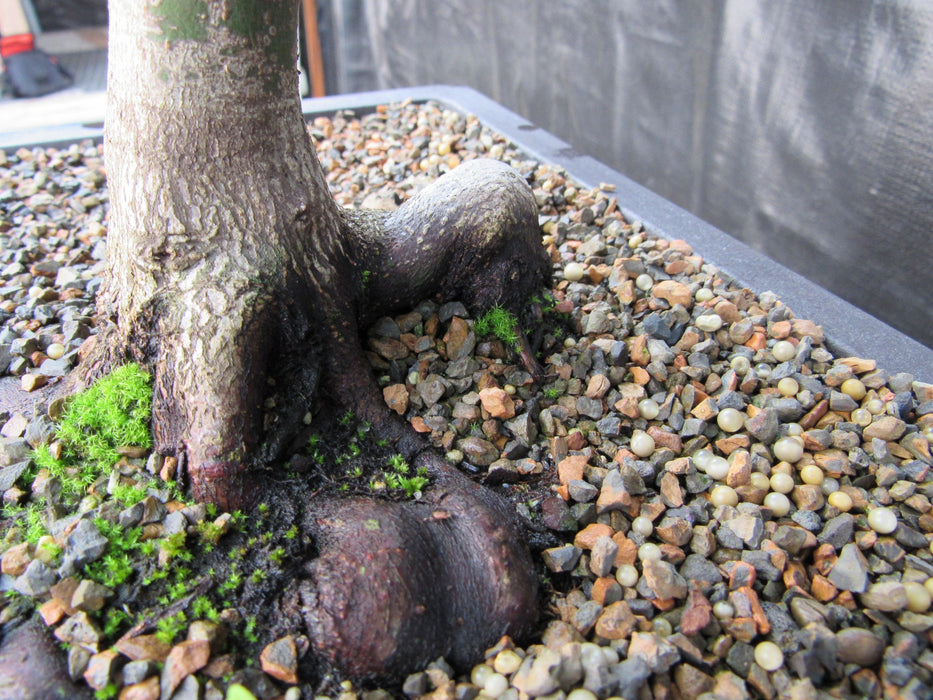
(257, 22)
(180, 20)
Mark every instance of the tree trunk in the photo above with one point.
(221, 226)
(235, 277)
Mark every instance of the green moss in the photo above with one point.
(115, 411)
(170, 627)
(500, 323)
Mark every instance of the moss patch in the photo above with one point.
(114, 412)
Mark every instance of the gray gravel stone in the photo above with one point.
(850, 572)
(35, 580)
(84, 545)
(838, 531)
(563, 558)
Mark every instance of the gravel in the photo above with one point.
(636, 317)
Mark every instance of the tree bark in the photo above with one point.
(235, 277)
(222, 232)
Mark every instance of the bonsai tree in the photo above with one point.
(234, 277)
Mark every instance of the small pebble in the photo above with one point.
(730, 419)
(788, 386)
(709, 323)
(741, 365)
(644, 282)
(642, 526)
(812, 474)
(854, 388)
(507, 662)
(769, 656)
(723, 495)
(649, 550)
(642, 443)
(703, 294)
(861, 417)
(480, 674)
(777, 503)
(496, 684)
(723, 610)
(788, 449)
(784, 351)
(581, 694)
(573, 272)
(627, 575)
(782, 483)
(918, 597)
(717, 468)
(840, 500)
(649, 409)
(882, 520)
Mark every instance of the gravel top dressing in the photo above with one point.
(720, 507)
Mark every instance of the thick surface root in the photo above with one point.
(398, 584)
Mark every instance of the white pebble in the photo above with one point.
(480, 674)
(649, 551)
(812, 474)
(717, 468)
(840, 500)
(783, 350)
(782, 482)
(642, 444)
(723, 610)
(627, 575)
(642, 525)
(649, 409)
(759, 480)
(704, 294)
(496, 684)
(723, 495)
(709, 322)
(55, 351)
(788, 386)
(741, 365)
(918, 597)
(701, 458)
(882, 520)
(777, 503)
(507, 662)
(573, 272)
(788, 449)
(861, 417)
(769, 656)
(644, 282)
(581, 694)
(730, 419)
(875, 406)
(854, 388)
